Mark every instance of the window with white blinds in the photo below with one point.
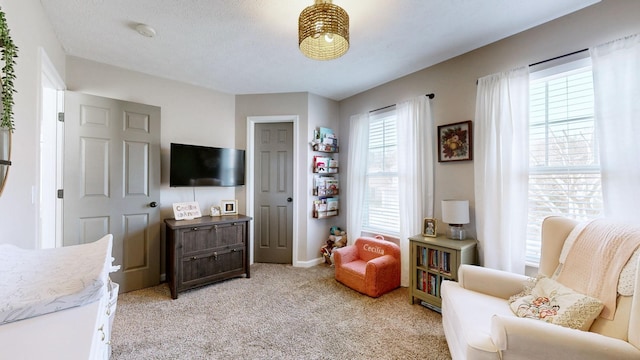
(564, 169)
(381, 205)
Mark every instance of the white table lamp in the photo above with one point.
(456, 214)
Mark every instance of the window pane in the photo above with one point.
(564, 168)
(381, 209)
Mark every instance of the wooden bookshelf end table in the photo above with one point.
(433, 259)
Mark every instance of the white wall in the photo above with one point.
(31, 32)
(454, 81)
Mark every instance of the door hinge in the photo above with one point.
(61, 116)
(60, 193)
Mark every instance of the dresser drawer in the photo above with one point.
(205, 267)
(209, 238)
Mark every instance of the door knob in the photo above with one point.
(153, 204)
(289, 199)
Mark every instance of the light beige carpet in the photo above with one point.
(281, 312)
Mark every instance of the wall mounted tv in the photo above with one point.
(193, 165)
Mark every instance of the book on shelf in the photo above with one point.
(332, 204)
(324, 140)
(319, 205)
(430, 306)
(322, 165)
(433, 259)
(446, 262)
(324, 132)
(325, 186)
(432, 284)
(325, 207)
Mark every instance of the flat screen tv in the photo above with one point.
(193, 165)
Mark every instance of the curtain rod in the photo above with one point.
(430, 96)
(554, 58)
(558, 57)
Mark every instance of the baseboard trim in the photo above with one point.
(310, 263)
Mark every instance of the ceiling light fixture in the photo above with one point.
(323, 31)
(145, 30)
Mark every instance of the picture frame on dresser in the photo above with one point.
(229, 207)
(430, 227)
(215, 211)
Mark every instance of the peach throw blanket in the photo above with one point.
(596, 258)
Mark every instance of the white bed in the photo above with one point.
(57, 303)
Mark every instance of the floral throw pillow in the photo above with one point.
(555, 303)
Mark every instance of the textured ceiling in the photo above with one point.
(251, 46)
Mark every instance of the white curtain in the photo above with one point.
(616, 81)
(356, 173)
(501, 168)
(415, 172)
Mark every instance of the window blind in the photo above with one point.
(564, 168)
(381, 208)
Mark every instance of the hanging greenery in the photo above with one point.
(9, 53)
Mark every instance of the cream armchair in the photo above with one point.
(479, 324)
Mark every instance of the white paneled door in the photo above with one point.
(112, 182)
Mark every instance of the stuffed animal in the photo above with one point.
(337, 239)
(338, 236)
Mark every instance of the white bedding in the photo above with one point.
(37, 282)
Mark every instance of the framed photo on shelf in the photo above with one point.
(215, 211)
(229, 207)
(455, 142)
(429, 227)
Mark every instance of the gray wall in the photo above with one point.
(454, 81)
(196, 115)
(313, 111)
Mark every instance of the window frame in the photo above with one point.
(547, 72)
(386, 172)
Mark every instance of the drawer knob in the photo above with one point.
(194, 258)
(194, 229)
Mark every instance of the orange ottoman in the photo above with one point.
(369, 266)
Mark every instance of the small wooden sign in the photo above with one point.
(186, 210)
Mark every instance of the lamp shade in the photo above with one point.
(323, 31)
(455, 211)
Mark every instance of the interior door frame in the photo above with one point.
(49, 78)
(251, 125)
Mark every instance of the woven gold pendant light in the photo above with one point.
(323, 31)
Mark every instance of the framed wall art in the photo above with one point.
(229, 207)
(455, 142)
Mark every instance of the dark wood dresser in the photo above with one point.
(206, 250)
